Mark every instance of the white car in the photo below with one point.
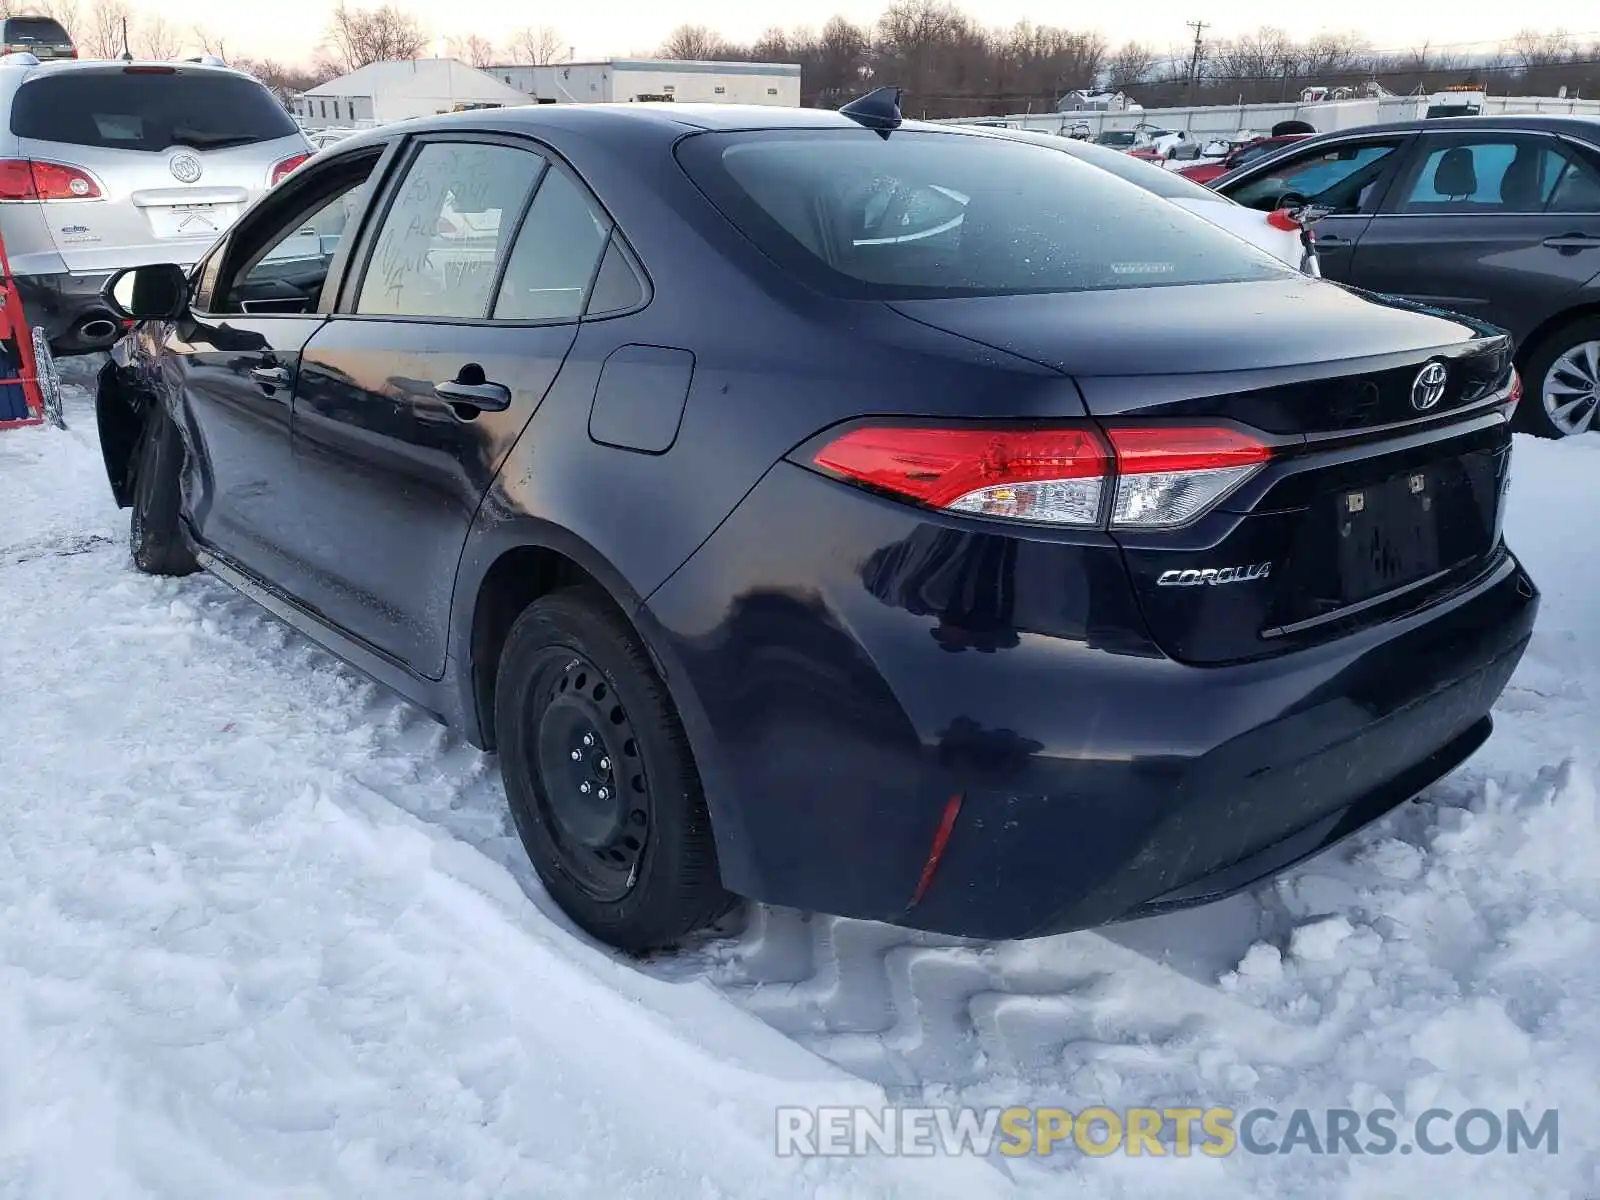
(1255, 227)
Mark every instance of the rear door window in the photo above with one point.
(1488, 173)
(440, 249)
(924, 215)
(557, 250)
(147, 111)
(1576, 188)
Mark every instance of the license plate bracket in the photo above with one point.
(1388, 535)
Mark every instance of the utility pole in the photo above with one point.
(1199, 28)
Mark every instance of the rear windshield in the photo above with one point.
(147, 112)
(1167, 184)
(34, 29)
(926, 215)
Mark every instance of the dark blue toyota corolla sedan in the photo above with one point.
(889, 520)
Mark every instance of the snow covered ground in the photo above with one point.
(265, 931)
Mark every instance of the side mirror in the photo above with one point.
(155, 293)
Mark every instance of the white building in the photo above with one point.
(396, 91)
(624, 80)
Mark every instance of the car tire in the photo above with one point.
(154, 537)
(1532, 414)
(599, 776)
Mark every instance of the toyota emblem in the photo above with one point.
(185, 168)
(1427, 389)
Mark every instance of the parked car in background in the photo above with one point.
(43, 37)
(1271, 234)
(1252, 151)
(931, 528)
(111, 164)
(1495, 217)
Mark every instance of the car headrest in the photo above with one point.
(1519, 186)
(1456, 175)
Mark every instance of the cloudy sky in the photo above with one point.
(290, 29)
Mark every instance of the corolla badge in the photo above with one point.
(1427, 389)
(185, 168)
(1211, 576)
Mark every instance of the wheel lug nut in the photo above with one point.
(584, 788)
(605, 764)
(588, 739)
(603, 793)
(577, 755)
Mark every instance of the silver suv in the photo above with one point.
(105, 165)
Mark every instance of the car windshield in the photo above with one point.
(141, 110)
(926, 215)
(1117, 139)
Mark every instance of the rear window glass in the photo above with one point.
(34, 29)
(147, 112)
(925, 215)
(1167, 184)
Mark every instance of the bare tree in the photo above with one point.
(358, 36)
(64, 11)
(1133, 63)
(694, 42)
(1530, 48)
(538, 45)
(474, 50)
(101, 32)
(157, 39)
(209, 43)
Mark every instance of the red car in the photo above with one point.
(1216, 168)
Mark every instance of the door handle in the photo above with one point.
(1572, 241)
(271, 377)
(486, 397)
(1332, 239)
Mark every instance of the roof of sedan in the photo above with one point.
(1492, 121)
(671, 119)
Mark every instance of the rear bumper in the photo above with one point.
(847, 667)
(70, 309)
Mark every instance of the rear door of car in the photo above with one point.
(1350, 175)
(444, 344)
(1503, 225)
(171, 154)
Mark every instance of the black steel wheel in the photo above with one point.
(599, 776)
(590, 785)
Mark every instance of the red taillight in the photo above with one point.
(22, 179)
(1157, 477)
(1513, 394)
(1146, 449)
(1280, 218)
(149, 70)
(287, 168)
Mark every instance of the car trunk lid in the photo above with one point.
(1389, 447)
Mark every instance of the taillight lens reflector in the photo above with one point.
(1513, 393)
(23, 179)
(1158, 477)
(287, 167)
